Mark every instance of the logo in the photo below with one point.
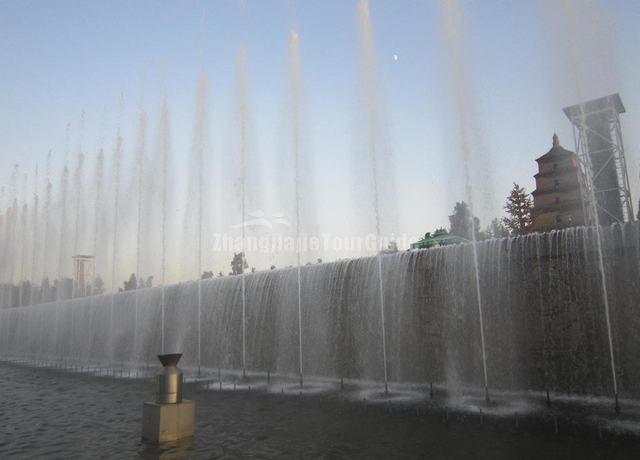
(259, 219)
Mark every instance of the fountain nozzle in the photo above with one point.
(169, 380)
(170, 359)
(169, 418)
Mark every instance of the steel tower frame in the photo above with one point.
(609, 109)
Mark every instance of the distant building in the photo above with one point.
(83, 275)
(558, 200)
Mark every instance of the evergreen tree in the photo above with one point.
(497, 229)
(461, 222)
(238, 264)
(519, 208)
(131, 284)
(98, 286)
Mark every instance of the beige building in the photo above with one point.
(558, 198)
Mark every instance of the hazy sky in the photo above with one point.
(59, 58)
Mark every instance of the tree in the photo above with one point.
(238, 263)
(461, 220)
(496, 229)
(98, 286)
(519, 208)
(131, 284)
(206, 275)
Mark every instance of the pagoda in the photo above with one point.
(558, 200)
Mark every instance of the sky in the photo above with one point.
(523, 62)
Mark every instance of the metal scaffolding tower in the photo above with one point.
(600, 149)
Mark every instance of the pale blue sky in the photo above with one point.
(58, 58)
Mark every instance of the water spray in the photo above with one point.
(372, 96)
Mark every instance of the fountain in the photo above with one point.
(24, 248)
(372, 95)
(296, 89)
(46, 219)
(548, 313)
(592, 202)
(200, 141)
(243, 119)
(165, 158)
(62, 246)
(117, 159)
(34, 233)
(140, 164)
(463, 98)
(169, 418)
(78, 192)
(568, 355)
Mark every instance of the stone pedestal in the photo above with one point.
(168, 422)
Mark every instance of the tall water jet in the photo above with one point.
(34, 234)
(3, 243)
(165, 155)
(452, 25)
(62, 254)
(6, 269)
(24, 245)
(295, 80)
(10, 236)
(140, 171)
(200, 145)
(374, 149)
(243, 119)
(578, 79)
(78, 196)
(99, 219)
(98, 211)
(46, 223)
(3, 238)
(99, 233)
(10, 248)
(2, 208)
(117, 159)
